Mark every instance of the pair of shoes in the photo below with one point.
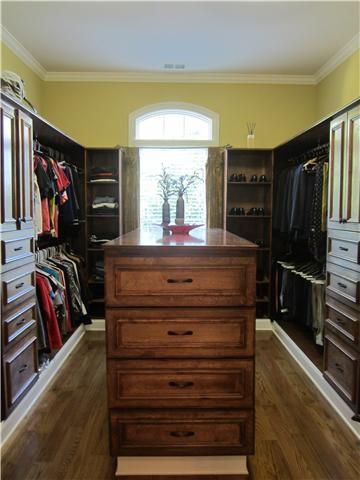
(262, 178)
(238, 177)
(237, 211)
(256, 211)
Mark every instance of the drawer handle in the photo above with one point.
(344, 249)
(23, 368)
(182, 434)
(186, 332)
(339, 367)
(342, 285)
(174, 280)
(181, 384)
(17, 249)
(20, 322)
(19, 285)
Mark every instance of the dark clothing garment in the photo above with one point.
(317, 237)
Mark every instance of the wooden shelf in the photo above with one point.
(249, 216)
(97, 300)
(263, 249)
(91, 249)
(103, 183)
(103, 216)
(250, 184)
(262, 300)
(263, 282)
(93, 281)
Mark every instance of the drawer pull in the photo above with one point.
(174, 280)
(20, 322)
(23, 368)
(17, 249)
(339, 367)
(181, 384)
(19, 285)
(182, 434)
(342, 285)
(185, 333)
(344, 249)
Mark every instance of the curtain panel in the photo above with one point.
(215, 187)
(130, 189)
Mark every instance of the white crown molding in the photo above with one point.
(21, 52)
(338, 58)
(178, 77)
(172, 77)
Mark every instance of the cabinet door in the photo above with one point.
(25, 171)
(337, 165)
(351, 201)
(8, 194)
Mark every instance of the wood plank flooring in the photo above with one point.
(298, 435)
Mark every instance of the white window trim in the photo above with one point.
(173, 106)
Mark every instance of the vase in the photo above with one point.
(166, 212)
(250, 141)
(180, 211)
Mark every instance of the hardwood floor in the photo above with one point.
(298, 435)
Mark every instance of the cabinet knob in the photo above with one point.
(181, 384)
(173, 333)
(23, 368)
(182, 434)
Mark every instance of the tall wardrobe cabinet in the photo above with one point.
(342, 325)
(18, 319)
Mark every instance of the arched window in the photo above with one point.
(174, 124)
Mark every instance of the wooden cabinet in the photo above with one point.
(341, 356)
(17, 268)
(180, 323)
(344, 185)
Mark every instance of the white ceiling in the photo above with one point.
(294, 38)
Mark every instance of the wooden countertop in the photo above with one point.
(201, 240)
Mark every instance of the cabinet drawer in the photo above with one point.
(18, 324)
(180, 383)
(190, 433)
(193, 282)
(20, 371)
(343, 320)
(16, 249)
(17, 285)
(343, 282)
(341, 365)
(344, 248)
(191, 332)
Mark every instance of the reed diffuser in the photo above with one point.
(250, 141)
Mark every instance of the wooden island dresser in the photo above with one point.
(180, 323)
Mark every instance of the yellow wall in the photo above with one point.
(34, 86)
(96, 113)
(340, 87)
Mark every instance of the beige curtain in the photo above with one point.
(215, 187)
(130, 189)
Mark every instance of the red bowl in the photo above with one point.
(181, 229)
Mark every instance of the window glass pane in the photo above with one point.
(174, 126)
(177, 162)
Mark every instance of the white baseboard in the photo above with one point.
(263, 324)
(98, 325)
(318, 380)
(46, 378)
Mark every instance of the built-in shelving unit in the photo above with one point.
(249, 195)
(104, 225)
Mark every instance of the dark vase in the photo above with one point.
(166, 212)
(180, 211)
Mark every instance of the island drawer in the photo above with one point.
(177, 281)
(180, 332)
(180, 383)
(182, 433)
